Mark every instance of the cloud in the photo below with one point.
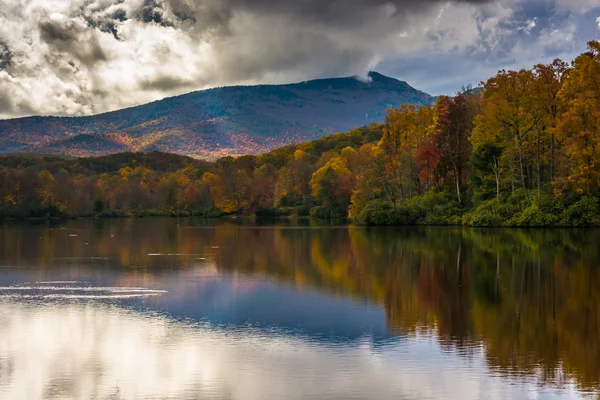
(153, 11)
(577, 6)
(5, 56)
(73, 57)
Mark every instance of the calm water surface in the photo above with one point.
(178, 309)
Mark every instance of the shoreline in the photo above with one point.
(307, 219)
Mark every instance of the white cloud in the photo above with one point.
(563, 37)
(529, 25)
(577, 6)
(83, 57)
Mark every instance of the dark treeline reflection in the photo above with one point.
(530, 297)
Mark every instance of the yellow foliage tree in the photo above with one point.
(579, 128)
(509, 119)
(47, 188)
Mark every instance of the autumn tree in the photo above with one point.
(11, 188)
(549, 80)
(262, 189)
(331, 184)
(230, 186)
(509, 119)
(579, 128)
(485, 171)
(404, 129)
(293, 180)
(452, 127)
(47, 190)
(370, 182)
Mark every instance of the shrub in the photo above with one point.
(534, 216)
(303, 211)
(181, 213)
(525, 208)
(381, 212)
(152, 212)
(491, 213)
(582, 213)
(275, 212)
(114, 213)
(437, 208)
(319, 212)
(549, 204)
(214, 213)
(327, 213)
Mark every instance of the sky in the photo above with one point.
(81, 57)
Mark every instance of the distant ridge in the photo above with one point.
(215, 122)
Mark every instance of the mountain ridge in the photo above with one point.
(230, 120)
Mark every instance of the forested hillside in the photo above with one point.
(122, 184)
(213, 123)
(522, 151)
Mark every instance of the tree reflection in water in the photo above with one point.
(528, 299)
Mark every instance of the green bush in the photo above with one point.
(114, 213)
(320, 212)
(549, 204)
(534, 216)
(214, 213)
(275, 212)
(437, 208)
(381, 212)
(181, 213)
(208, 212)
(530, 209)
(582, 213)
(152, 212)
(491, 213)
(303, 211)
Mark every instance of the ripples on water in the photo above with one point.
(71, 290)
(254, 314)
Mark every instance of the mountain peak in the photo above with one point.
(377, 77)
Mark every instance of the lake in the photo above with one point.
(183, 309)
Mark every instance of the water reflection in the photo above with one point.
(504, 311)
(81, 350)
(73, 290)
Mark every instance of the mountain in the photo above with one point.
(216, 122)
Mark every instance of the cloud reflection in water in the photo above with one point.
(89, 349)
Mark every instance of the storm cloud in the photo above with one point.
(5, 56)
(76, 57)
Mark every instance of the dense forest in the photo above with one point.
(521, 150)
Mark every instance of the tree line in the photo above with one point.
(123, 184)
(522, 149)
